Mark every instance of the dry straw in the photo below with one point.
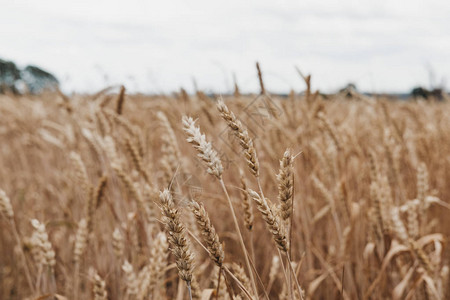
(374, 169)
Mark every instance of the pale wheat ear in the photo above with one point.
(99, 288)
(210, 156)
(5, 205)
(81, 238)
(204, 148)
(131, 280)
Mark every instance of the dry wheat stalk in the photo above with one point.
(398, 226)
(219, 287)
(273, 273)
(136, 158)
(377, 206)
(131, 280)
(118, 243)
(81, 238)
(5, 205)
(286, 184)
(422, 184)
(99, 289)
(422, 257)
(273, 222)
(242, 134)
(385, 202)
(124, 122)
(7, 210)
(154, 271)
(246, 203)
(204, 148)
(169, 147)
(132, 189)
(40, 237)
(331, 129)
(209, 234)
(93, 202)
(176, 235)
(110, 148)
(413, 220)
(210, 156)
(261, 82)
(45, 255)
(81, 174)
(196, 291)
(120, 100)
(242, 277)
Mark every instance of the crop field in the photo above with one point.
(122, 196)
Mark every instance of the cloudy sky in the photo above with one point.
(159, 46)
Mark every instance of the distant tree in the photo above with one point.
(9, 74)
(32, 79)
(349, 90)
(421, 92)
(38, 80)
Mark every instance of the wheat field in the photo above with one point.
(120, 196)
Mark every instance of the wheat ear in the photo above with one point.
(285, 179)
(246, 203)
(99, 289)
(272, 220)
(242, 134)
(204, 148)
(210, 156)
(209, 234)
(176, 235)
(120, 100)
(7, 210)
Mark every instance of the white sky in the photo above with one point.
(154, 46)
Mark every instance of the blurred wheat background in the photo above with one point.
(121, 196)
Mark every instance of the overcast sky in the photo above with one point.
(159, 46)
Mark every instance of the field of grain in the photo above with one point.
(117, 196)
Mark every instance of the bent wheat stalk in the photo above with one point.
(212, 160)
